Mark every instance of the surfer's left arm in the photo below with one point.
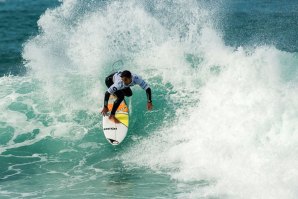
(149, 99)
(146, 87)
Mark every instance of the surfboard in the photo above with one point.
(116, 132)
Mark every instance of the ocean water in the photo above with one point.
(224, 76)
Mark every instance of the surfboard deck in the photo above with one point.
(116, 132)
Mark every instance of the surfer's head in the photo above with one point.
(126, 77)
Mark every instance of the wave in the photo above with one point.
(225, 119)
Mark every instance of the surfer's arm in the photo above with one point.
(149, 99)
(148, 93)
(106, 100)
(107, 96)
(138, 80)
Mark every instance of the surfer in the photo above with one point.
(119, 84)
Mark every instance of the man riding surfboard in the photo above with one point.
(119, 84)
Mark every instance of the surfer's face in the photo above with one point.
(126, 80)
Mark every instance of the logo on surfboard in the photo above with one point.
(111, 128)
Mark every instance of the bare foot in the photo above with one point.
(114, 119)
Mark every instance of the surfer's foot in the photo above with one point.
(114, 119)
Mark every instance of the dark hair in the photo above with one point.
(126, 73)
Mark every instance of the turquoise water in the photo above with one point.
(224, 81)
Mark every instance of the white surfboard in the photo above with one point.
(116, 132)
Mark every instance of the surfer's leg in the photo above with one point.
(127, 92)
(120, 97)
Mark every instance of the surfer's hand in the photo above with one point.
(149, 106)
(114, 119)
(104, 111)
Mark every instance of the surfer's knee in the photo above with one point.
(127, 92)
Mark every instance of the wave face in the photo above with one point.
(225, 119)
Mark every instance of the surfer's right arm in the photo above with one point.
(107, 96)
(111, 90)
(105, 107)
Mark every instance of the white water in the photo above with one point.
(242, 135)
